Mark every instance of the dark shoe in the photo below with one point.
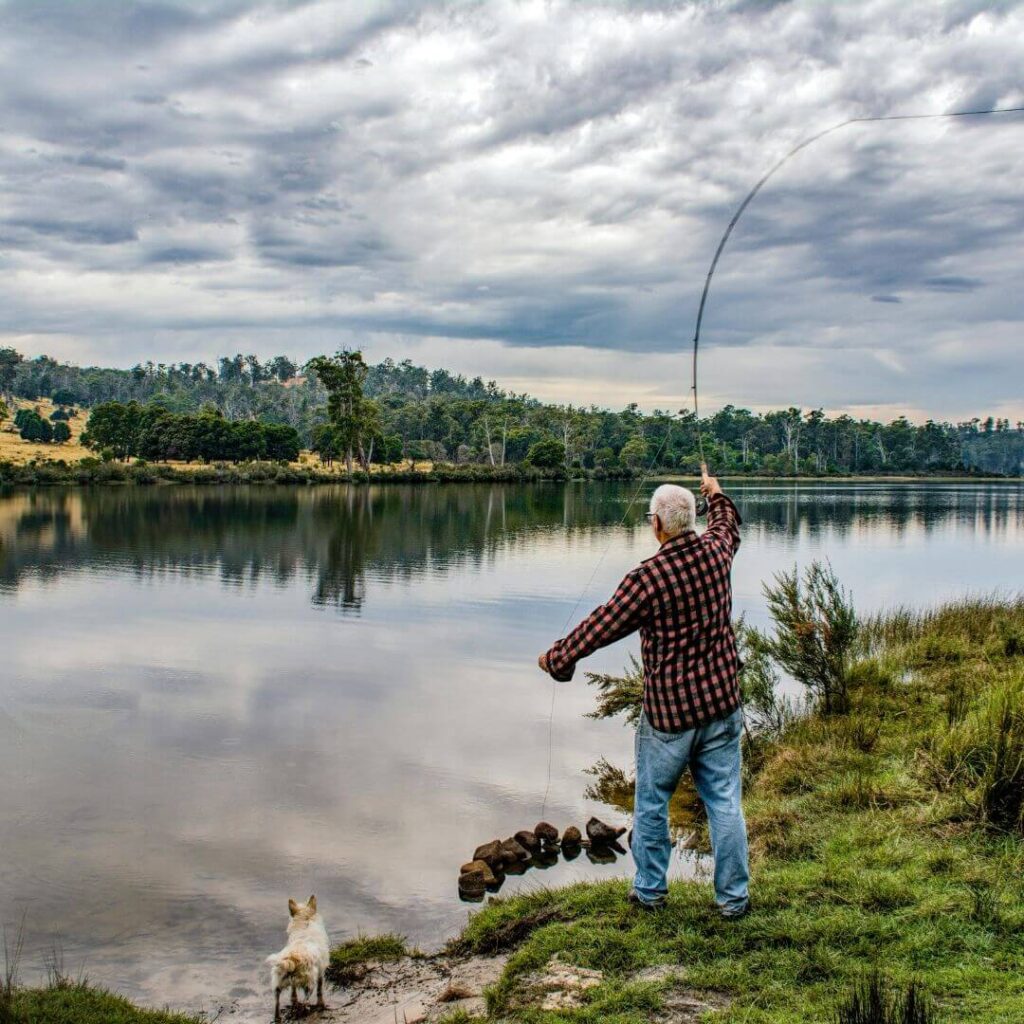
(640, 904)
(734, 915)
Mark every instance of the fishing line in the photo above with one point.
(572, 613)
(740, 210)
(757, 188)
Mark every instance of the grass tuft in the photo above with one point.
(871, 1002)
(350, 959)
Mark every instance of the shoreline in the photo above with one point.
(92, 472)
(880, 847)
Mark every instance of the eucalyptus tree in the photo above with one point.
(343, 376)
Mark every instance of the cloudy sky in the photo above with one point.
(528, 191)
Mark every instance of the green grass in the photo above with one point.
(875, 848)
(79, 1004)
(348, 958)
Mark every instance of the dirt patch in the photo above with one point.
(412, 990)
(564, 986)
(560, 986)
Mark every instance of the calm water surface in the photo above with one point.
(213, 699)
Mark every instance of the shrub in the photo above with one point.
(765, 708)
(621, 694)
(815, 633)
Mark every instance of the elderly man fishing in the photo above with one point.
(680, 600)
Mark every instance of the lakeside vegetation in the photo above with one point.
(887, 840)
(392, 412)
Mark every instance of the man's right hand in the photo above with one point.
(709, 485)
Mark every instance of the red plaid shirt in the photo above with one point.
(681, 601)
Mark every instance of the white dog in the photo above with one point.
(302, 962)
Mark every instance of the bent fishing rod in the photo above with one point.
(748, 199)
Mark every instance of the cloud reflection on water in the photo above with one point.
(217, 699)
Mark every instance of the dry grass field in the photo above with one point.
(14, 449)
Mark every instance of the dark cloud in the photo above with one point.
(79, 232)
(952, 283)
(186, 254)
(438, 176)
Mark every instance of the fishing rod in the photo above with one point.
(748, 199)
(701, 503)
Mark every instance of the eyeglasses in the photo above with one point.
(649, 515)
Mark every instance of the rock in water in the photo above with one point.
(516, 867)
(472, 885)
(543, 859)
(513, 851)
(528, 840)
(546, 833)
(482, 867)
(601, 834)
(490, 852)
(572, 837)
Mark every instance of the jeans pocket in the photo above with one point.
(736, 723)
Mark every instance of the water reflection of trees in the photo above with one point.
(338, 537)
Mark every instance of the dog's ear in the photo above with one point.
(293, 907)
(311, 903)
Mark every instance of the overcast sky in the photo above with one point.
(527, 191)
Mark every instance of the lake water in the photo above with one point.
(214, 699)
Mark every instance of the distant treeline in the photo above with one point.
(123, 429)
(409, 412)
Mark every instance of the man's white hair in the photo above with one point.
(676, 507)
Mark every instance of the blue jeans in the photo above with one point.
(712, 753)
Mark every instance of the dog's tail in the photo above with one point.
(287, 963)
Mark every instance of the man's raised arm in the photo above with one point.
(723, 517)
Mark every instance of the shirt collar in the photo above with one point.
(684, 539)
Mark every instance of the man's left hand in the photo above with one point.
(542, 661)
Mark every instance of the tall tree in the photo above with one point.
(343, 376)
(9, 361)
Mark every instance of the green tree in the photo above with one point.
(325, 443)
(64, 396)
(9, 362)
(343, 375)
(114, 425)
(548, 453)
(634, 453)
(5, 413)
(61, 432)
(281, 442)
(35, 428)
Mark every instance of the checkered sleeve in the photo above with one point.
(723, 524)
(622, 615)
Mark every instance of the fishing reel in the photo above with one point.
(701, 506)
